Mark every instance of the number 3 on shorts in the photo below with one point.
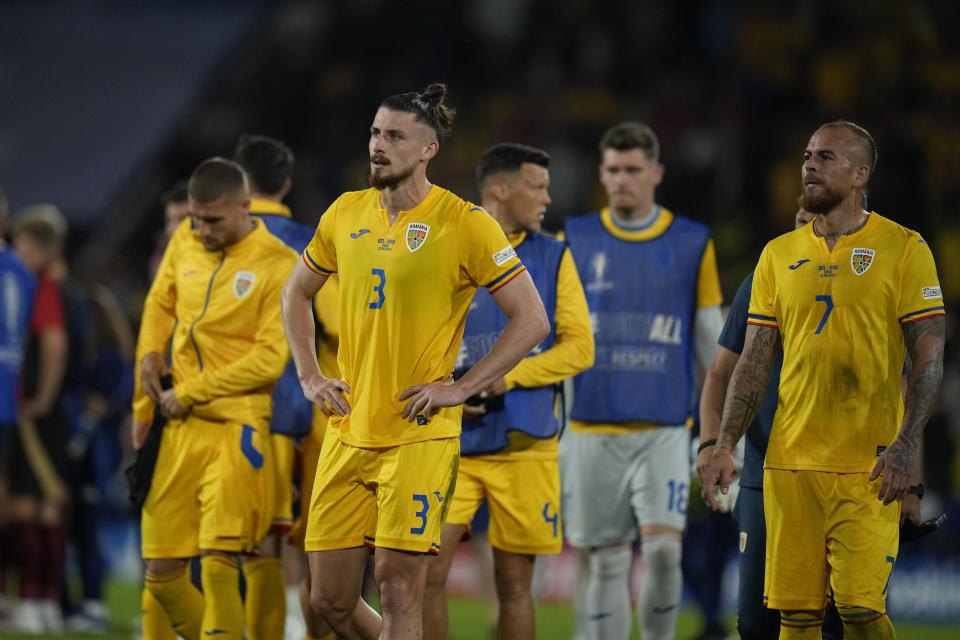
(422, 514)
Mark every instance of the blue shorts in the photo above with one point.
(753, 619)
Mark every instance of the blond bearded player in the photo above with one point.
(410, 256)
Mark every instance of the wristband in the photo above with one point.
(916, 490)
(705, 444)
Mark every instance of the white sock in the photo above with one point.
(580, 596)
(662, 587)
(295, 628)
(52, 616)
(608, 594)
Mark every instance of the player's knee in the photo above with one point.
(609, 563)
(661, 551)
(436, 575)
(334, 610)
(398, 593)
(512, 587)
(436, 585)
(513, 575)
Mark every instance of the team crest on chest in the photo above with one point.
(416, 235)
(861, 259)
(242, 283)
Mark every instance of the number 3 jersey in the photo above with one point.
(404, 293)
(839, 314)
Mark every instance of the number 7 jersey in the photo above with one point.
(840, 314)
(404, 293)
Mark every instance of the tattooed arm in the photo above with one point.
(899, 464)
(744, 396)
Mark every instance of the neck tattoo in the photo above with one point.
(833, 236)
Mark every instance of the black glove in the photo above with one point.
(910, 531)
(140, 473)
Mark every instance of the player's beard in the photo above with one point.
(824, 201)
(382, 180)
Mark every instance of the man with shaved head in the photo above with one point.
(847, 296)
(213, 313)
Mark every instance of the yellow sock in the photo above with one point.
(800, 624)
(266, 605)
(223, 615)
(859, 622)
(156, 624)
(180, 601)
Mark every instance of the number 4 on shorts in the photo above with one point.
(550, 519)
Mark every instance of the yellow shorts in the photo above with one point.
(209, 489)
(283, 449)
(827, 531)
(310, 446)
(524, 498)
(395, 497)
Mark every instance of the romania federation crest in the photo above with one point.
(416, 235)
(242, 283)
(861, 259)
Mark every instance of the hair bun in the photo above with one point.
(434, 93)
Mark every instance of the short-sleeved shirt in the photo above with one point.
(404, 293)
(732, 337)
(839, 314)
(47, 306)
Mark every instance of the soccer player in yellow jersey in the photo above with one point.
(410, 256)
(847, 296)
(509, 453)
(218, 293)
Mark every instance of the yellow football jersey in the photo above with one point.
(223, 311)
(404, 293)
(839, 314)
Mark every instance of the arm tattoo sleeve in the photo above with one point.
(748, 383)
(924, 340)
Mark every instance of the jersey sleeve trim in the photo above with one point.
(923, 313)
(761, 321)
(313, 265)
(506, 277)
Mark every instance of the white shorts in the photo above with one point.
(613, 484)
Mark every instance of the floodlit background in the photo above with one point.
(105, 104)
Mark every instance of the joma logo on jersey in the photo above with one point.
(666, 329)
(861, 259)
(416, 235)
(242, 283)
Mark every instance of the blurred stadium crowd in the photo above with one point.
(733, 92)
